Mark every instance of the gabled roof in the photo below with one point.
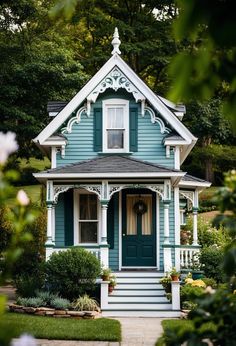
(110, 167)
(159, 104)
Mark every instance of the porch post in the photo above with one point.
(104, 244)
(50, 196)
(195, 213)
(167, 250)
(53, 222)
(49, 241)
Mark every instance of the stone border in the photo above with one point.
(43, 311)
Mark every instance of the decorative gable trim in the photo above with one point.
(115, 80)
(155, 119)
(76, 119)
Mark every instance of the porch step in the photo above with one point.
(140, 294)
(141, 313)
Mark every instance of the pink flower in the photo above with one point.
(22, 198)
(8, 145)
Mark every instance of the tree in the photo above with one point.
(36, 65)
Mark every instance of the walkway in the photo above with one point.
(135, 332)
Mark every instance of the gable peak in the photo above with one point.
(116, 42)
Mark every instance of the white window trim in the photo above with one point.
(125, 105)
(76, 218)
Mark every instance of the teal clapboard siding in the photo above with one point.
(114, 252)
(60, 222)
(146, 143)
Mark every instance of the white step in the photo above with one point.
(134, 280)
(139, 274)
(134, 292)
(137, 299)
(141, 306)
(139, 286)
(141, 313)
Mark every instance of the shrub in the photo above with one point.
(27, 286)
(190, 293)
(46, 296)
(34, 302)
(210, 282)
(73, 272)
(211, 259)
(85, 303)
(60, 303)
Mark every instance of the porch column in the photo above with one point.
(166, 222)
(53, 222)
(104, 245)
(49, 242)
(167, 249)
(195, 213)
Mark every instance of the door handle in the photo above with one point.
(123, 234)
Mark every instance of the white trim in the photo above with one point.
(53, 157)
(109, 175)
(125, 105)
(154, 100)
(174, 142)
(55, 142)
(194, 184)
(120, 229)
(177, 157)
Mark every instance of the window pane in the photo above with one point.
(115, 118)
(115, 139)
(88, 207)
(88, 232)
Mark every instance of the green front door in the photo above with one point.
(138, 228)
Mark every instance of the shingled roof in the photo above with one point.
(112, 164)
(189, 177)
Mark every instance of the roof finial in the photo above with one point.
(116, 42)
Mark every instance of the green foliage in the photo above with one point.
(208, 63)
(46, 296)
(210, 282)
(27, 285)
(85, 303)
(72, 272)
(190, 293)
(211, 259)
(34, 302)
(60, 303)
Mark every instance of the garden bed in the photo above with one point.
(49, 312)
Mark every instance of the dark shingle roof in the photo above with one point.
(56, 106)
(174, 137)
(189, 177)
(111, 164)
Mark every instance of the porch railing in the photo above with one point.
(187, 255)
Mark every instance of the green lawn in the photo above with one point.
(35, 163)
(176, 327)
(101, 329)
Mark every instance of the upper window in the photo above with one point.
(115, 125)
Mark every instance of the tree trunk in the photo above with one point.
(209, 174)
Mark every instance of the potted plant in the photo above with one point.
(112, 284)
(174, 274)
(166, 283)
(105, 275)
(197, 273)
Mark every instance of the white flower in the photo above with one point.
(8, 145)
(22, 198)
(209, 290)
(24, 340)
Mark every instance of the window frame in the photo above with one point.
(109, 103)
(77, 240)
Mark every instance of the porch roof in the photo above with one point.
(108, 167)
(191, 181)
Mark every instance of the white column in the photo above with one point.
(195, 213)
(175, 290)
(166, 222)
(104, 246)
(104, 294)
(49, 241)
(177, 157)
(177, 227)
(53, 223)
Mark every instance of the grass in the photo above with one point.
(35, 163)
(178, 327)
(101, 329)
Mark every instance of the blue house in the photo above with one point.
(116, 187)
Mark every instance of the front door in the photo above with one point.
(138, 228)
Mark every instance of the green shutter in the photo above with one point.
(110, 223)
(133, 129)
(69, 217)
(97, 129)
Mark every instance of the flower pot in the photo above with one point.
(175, 277)
(110, 288)
(105, 277)
(198, 274)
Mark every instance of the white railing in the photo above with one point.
(188, 256)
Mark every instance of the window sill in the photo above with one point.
(115, 153)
